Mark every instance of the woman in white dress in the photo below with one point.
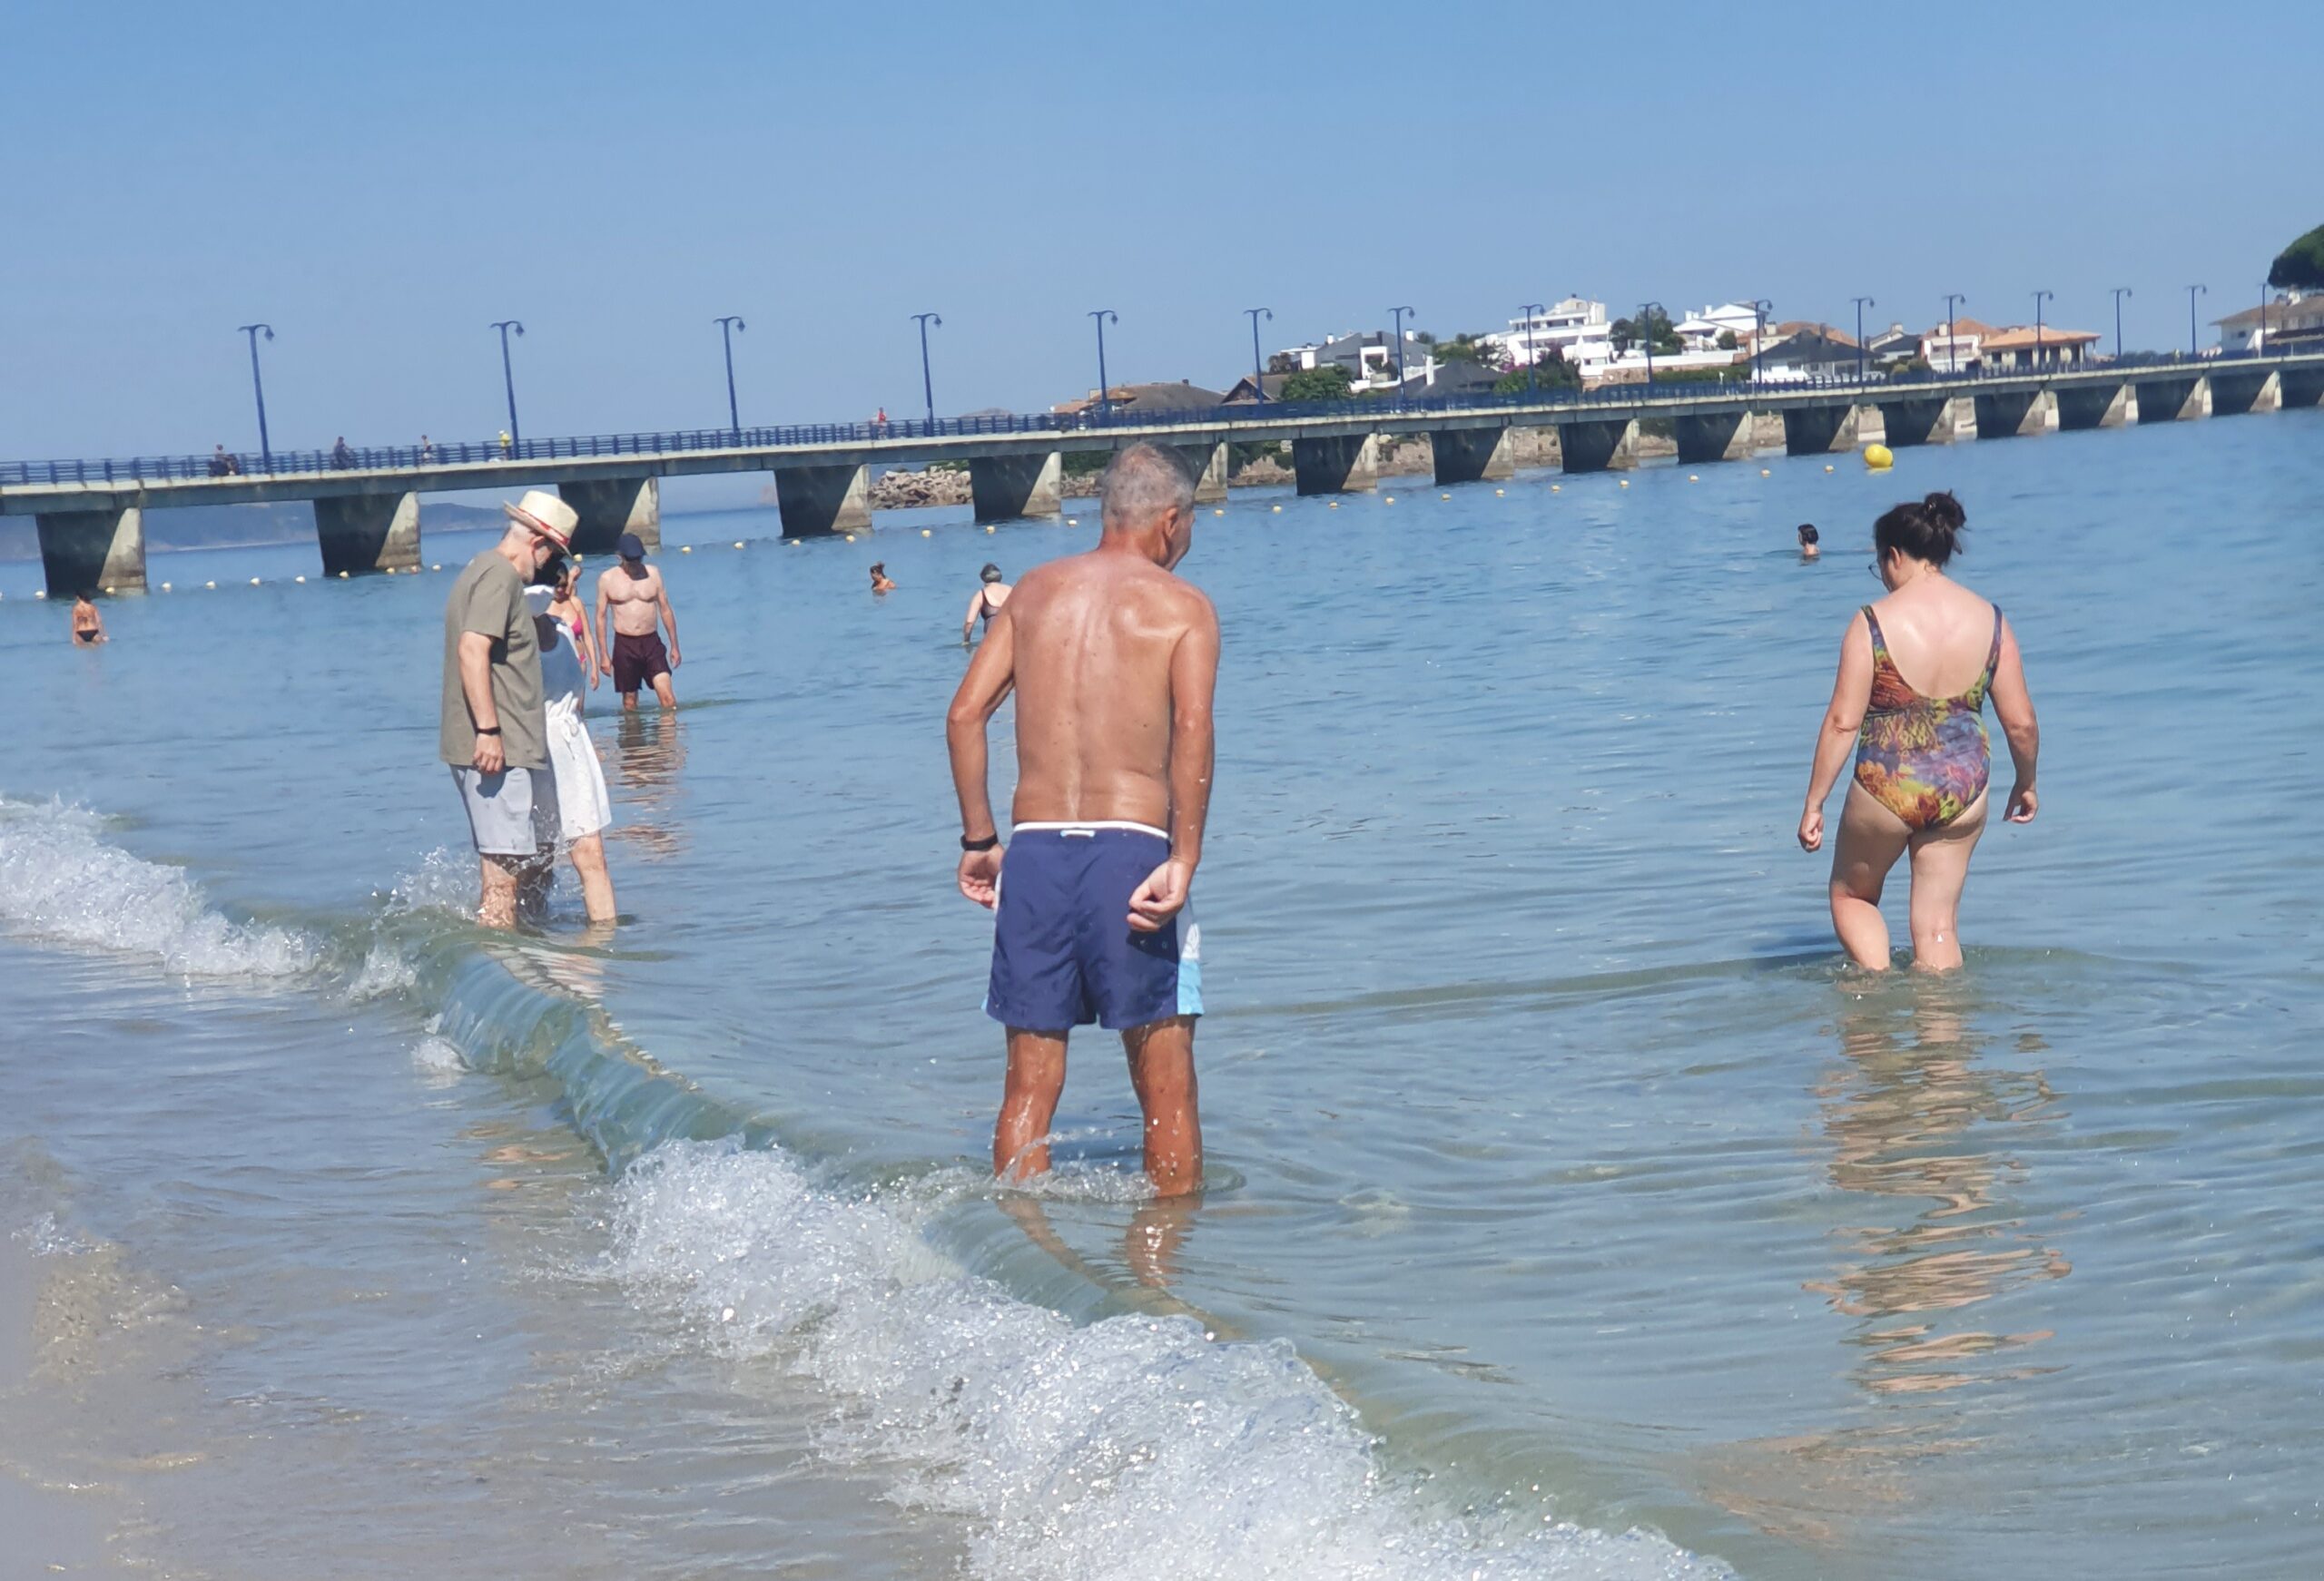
(584, 810)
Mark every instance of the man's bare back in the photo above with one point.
(636, 600)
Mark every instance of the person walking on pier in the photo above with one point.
(342, 457)
(88, 626)
(639, 602)
(1922, 759)
(583, 808)
(984, 603)
(1113, 660)
(495, 729)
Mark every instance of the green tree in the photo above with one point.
(1283, 362)
(1466, 347)
(1553, 372)
(1625, 333)
(1327, 383)
(2300, 266)
(1726, 341)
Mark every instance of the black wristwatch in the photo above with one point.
(987, 844)
(488, 730)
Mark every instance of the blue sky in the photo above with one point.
(380, 183)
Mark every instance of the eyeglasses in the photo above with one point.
(1874, 566)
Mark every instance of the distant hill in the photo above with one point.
(233, 526)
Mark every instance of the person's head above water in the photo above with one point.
(1807, 533)
(1927, 530)
(991, 573)
(1147, 499)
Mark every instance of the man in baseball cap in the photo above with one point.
(495, 727)
(639, 604)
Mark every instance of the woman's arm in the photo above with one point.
(2014, 706)
(1843, 717)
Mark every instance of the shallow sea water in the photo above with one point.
(1573, 1212)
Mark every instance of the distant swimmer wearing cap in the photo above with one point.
(1113, 661)
(640, 604)
(991, 594)
(495, 727)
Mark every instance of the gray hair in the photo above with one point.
(1141, 483)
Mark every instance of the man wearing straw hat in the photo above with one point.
(494, 735)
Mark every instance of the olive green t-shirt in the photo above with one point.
(489, 597)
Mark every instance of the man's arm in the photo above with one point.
(476, 684)
(1194, 757)
(669, 615)
(990, 675)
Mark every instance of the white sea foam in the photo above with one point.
(62, 882)
(1131, 1447)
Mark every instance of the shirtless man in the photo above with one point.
(640, 603)
(1112, 659)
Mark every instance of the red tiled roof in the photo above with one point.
(2022, 336)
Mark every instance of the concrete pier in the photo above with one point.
(1342, 463)
(1598, 447)
(2096, 406)
(1821, 430)
(610, 506)
(1929, 419)
(364, 532)
(2172, 398)
(93, 551)
(2013, 413)
(1208, 463)
(1007, 488)
(1473, 455)
(2245, 389)
(1715, 437)
(818, 501)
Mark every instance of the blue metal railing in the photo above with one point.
(145, 469)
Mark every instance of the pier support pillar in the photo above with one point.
(610, 506)
(363, 533)
(1821, 430)
(1208, 463)
(93, 551)
(2096, 406)
(2245, 389)
(818, 501)
(1714, 436)
(2008, 414)
(1006, 488)
(1473, 455)
(1598, 446)
(1929, 419)
(2301, 387)
(1346, 464)
(2176, 398)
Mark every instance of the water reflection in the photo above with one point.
(1915, 1114)
(1152, 1244)
(649, 759)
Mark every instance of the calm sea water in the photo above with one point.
(1573, 1212)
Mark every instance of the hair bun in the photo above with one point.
(1945, 512)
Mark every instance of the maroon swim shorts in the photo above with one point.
(637, 660)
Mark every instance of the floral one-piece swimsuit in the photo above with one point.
(1924, 759)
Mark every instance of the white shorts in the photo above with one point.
(512, 813)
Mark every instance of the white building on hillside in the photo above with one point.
(1575, 328)
(1369, 356)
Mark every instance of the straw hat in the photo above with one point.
(547, 514)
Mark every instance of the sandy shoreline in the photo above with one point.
(51, 1529)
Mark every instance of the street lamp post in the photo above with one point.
(1530, 311)
(1760, 309)
(1258, 368)
(1861, 303)
(2193, 339)
(257, 388)
(2260, 345)
(508, 378)
(727, 328)
(1646, 311)
(926, 383)
(1397, 316)
(2120, 292)
(2039, 297)
(1952, 344)
(1105, 398)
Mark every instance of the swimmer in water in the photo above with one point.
(1808, 536)
(1113, 660)
(991, 594)
(88, 626)
(879, 583)
(1922, 756)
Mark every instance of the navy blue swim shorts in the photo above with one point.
(1063, 951)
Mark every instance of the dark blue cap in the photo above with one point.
(633, 547)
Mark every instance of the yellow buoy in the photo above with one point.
(926, 534)
(987, 529)
(1694, 478)
(1879, 458)
(851, 539)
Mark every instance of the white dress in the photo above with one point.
(583, 806)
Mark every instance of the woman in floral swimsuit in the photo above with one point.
(1922, 758)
